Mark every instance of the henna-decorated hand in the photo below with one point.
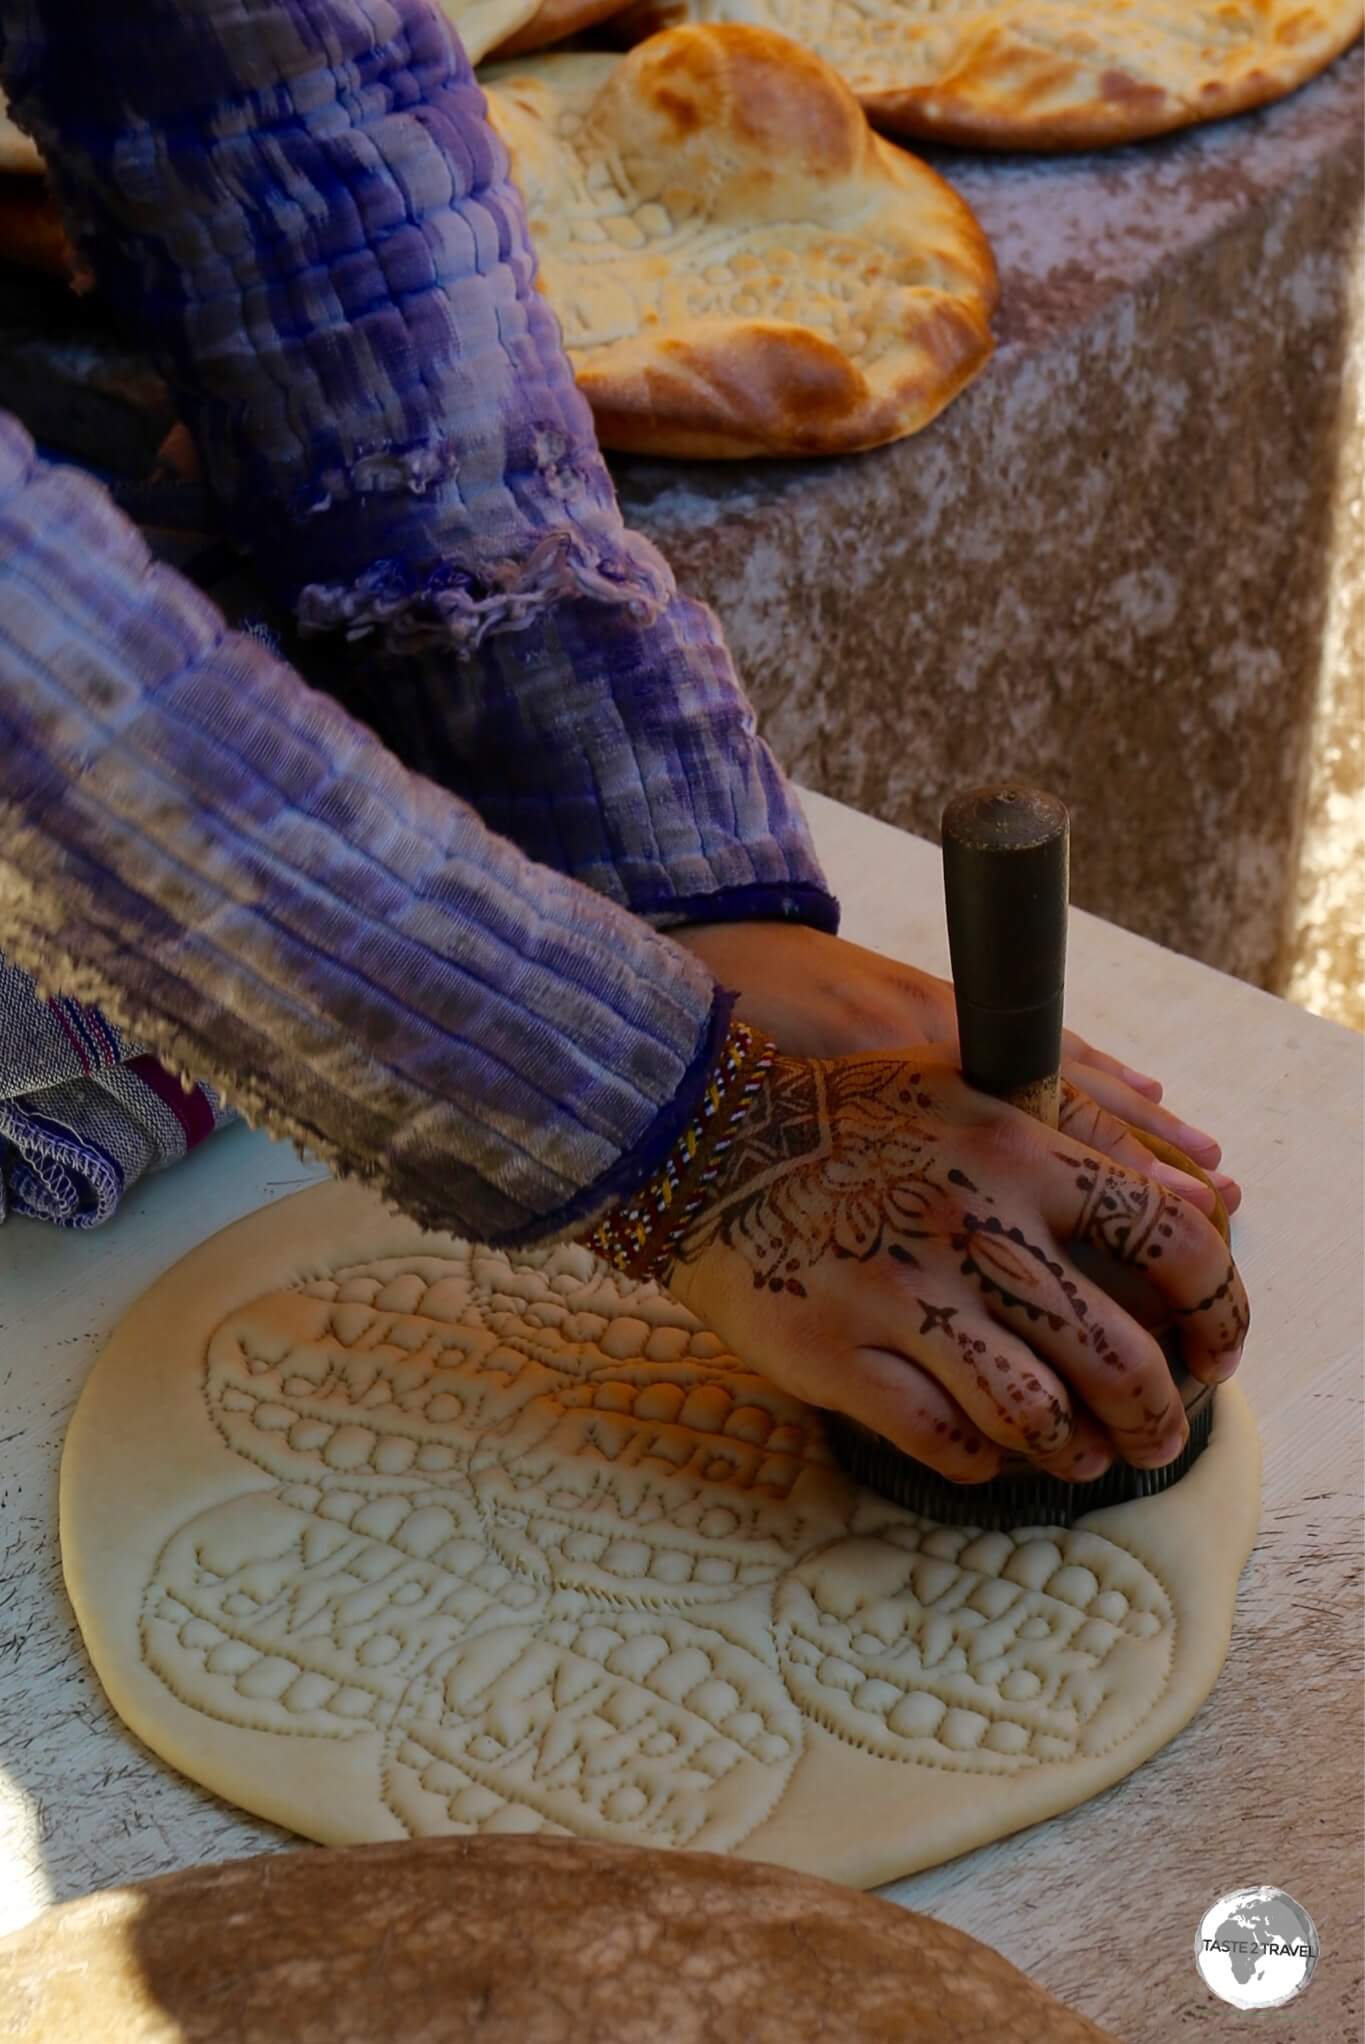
(818, 996)
(883, 1240)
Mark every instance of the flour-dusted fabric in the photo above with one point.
(239, 871)
(623, 754)
(85, 1111)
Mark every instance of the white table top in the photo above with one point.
(1101, 1905)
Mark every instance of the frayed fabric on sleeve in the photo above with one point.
(625, 755)
(302, 208)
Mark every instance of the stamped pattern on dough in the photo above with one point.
(999, 1649)
(648, 1729)
(580, 1570)
(308, 1609)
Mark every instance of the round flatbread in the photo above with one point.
(504, 1941)
(381, 1535)
(1045, 74)
(740, 266)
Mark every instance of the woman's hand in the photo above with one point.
(818, 996)
(885, 1241)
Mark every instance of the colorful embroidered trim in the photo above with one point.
(641, 1235)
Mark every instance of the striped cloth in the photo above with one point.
(84, 1112)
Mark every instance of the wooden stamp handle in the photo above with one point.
(1005, 877)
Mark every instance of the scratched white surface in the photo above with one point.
(1101, 1905)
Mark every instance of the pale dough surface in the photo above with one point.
(740, 266)
(379, 1535)
(1032, 74)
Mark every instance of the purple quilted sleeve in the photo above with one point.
(623, 754)
(302, 208)
(238, 871)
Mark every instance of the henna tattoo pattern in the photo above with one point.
(1234, 1320)
(1024, 1277)
(828, 1162)
(936, 1317)
(1047, 1424)
(831, 1161)
(1132, 1218)
(1004, 1263)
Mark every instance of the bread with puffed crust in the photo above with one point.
(1044, 74)
(741, 267)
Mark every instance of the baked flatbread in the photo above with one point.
(379, 1534)
(509, 1941)
(740, 265)
(1046, 74)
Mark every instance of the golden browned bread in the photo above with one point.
(509, 1940)
(1046, 74)
(740, 265)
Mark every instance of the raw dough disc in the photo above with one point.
(740, 266)
(504, 1941)
(1046, 74)
(380, 1535)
